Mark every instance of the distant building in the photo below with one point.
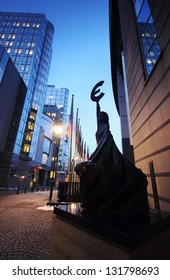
(44, 152)
(140, 47)
(56, 105)
(27, 38)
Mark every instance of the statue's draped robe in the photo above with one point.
(110, 184)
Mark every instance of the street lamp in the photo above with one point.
(57, 132)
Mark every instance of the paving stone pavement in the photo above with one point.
(24, 229)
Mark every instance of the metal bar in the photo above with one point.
(154, 186)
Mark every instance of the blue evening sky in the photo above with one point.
(81, 56)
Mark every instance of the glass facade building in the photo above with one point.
(55, 106)
(3, 62)
(58, 99)
(27, 38)
(48, 125)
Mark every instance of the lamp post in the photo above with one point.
(57, 132)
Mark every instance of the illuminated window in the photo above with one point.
(11, 36)
(147, 33)
(29, 52)
(8, 43)
(37, 25)
(54, 158)
(30, 126)
(28, 136)
(16, 24)
(52, 174)
(27, 24)
(32, 116)
(26, 148)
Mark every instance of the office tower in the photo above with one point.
(140, 31)
(58, 99)
(55, 106)
(27, 38)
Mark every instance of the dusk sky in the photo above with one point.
(81, 56)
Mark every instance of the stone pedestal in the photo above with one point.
(80, 238)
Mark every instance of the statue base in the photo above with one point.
(78, 234)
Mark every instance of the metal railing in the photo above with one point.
(69, 192)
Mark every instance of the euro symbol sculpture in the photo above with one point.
(96, 91)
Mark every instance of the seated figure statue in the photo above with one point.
(110, 184)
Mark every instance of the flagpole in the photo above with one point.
(76, 134)
(71, 136)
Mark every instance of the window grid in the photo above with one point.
(147, 33)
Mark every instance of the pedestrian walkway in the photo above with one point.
(25, 225)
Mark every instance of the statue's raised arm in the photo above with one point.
(97, 98)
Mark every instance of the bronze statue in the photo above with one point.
(110, 184)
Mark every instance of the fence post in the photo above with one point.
(154, 186)
(18, 189)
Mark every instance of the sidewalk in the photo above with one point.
(25, 225)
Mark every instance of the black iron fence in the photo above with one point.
(69, 191)
(23, 189)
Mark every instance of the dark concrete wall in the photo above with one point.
(12, 97)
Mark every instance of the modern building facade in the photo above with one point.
(56, 106)
(44, 153)
(27, 38)
(140, 48)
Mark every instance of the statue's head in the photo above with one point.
(103, 124)
(103, 118)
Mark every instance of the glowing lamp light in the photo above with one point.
(58, 130)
